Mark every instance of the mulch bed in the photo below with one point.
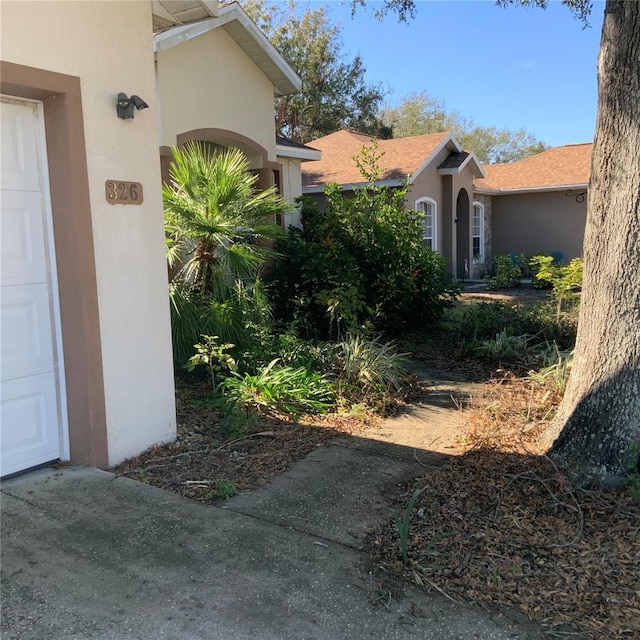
(210, 462)
(508, 530)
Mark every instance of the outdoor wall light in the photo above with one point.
(124, 105)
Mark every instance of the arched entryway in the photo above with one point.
(256, 154)
(463, 235)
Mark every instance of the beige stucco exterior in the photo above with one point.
(453, 227)
(194, 81)
(429, 184)
(542, 222)
(108, 46)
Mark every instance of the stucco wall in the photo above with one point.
(538, 223)
(429, 184)
(209, 82)
(109, 46)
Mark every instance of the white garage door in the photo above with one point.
(31, 428)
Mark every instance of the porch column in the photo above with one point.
(447, 216)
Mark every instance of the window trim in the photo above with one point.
(480, 207)
(434, 217)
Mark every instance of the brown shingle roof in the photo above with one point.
(402, 157)
(454, 160)
(557, 167)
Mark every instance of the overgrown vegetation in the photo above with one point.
(337, 285)
(218, 227)
(507, 272)
(361, 265)
(565, 280)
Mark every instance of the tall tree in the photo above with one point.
(598, 423)
(420, 113)
(416, 114)
(335, 93)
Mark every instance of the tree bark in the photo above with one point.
(598, 422)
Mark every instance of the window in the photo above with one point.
(477, 232)
(429, 222)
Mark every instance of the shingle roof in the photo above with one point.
(454, 160)
(402, 157)
(285, 142)
(564, 166)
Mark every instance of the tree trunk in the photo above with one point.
(599, 419)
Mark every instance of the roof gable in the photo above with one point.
(558, 168)
(402, 157)
(235, 21)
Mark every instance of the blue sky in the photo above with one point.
(512, 68)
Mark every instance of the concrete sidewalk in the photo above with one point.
(86, 555)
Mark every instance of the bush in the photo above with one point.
(484, 320)
(507, 273)
(194, 314)
(505, 348)
(278, 389)
(365, 368)
(360, 266)
(565, 280)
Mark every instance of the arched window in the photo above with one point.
(430, 222)
(477, 232)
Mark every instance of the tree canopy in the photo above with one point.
(335, 93)
(406, 9)
(420, 113)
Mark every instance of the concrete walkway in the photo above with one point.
(87, 555)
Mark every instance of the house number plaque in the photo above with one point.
(122, 192)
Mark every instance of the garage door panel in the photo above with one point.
(26, 346)
(22, 240)
(31, 407)
(28, 431)
(19, 157)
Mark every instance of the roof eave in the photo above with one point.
(449, 138)
(558, 187)
(235, 21)
(350, 186)
(165, 17)
(305, 155)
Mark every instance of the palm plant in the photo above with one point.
(216, 219)
(218, 227)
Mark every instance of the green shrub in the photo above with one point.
(217, 225)
(287, 347)
(279, 390)
(555, 370)
(194, 314)
(365, 368)
(482, 321)
(565, 280)
(507, 273)
(213, 356)
(361, 265)
(506, 348)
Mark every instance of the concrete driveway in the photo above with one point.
(89, 555)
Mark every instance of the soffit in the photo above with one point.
(169, 13)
